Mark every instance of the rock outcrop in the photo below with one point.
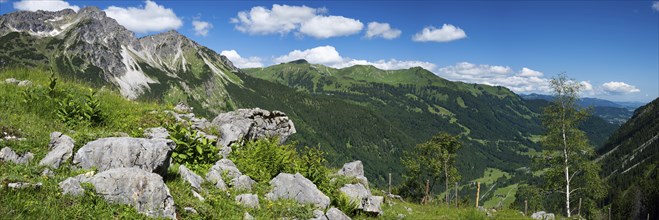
(252, 124)
(61, 149)
(359, 192)
(7, 154)
(151, 155)
(143, 190)
(542, 215)
(156, 133)
(190, 177)
(298, 188)
(248, 200)
(336, 214)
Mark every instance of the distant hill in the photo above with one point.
(613, 112)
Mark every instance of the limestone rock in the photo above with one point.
(373, 204)
(12, 81)
(156, 133)
(336, 214)
(25, 83)
(151, 155)
(215, 177)
(190, 177)
(252, 124)
(318, 215)
(357, 193)
(198, 196)
(190, 210)
(248, 200)
(354, 169)
(542, 215)
(298, 188)
(226, 166)
(143, 190)
(224, 152)
(24, 185)
(7, 154)
(72, 185)
(243, 182)
(247, 216)
(61, 149)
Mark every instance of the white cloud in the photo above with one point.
(526, 72)
(242, 62)
(382, 30)
(151, 17)
(445, 34)
(326, 55)
(329, 56)
(330, 26)
(201, 27)
(655, 5)
(48, 5)
(617, 88)
(524, 81)
(283, 19)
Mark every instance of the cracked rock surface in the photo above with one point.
(61, 149)
(252, 124)
(298, 188)
(151, 155)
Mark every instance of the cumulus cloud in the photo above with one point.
(523, 81)
(655, 5)
(382, 30)
(329, 56)
(447, 33)
(618, 88)
(242, 62)
(326, 55)
(151, 17)
(50, 5)
(283, 19)
(201, 28)
(331, 26)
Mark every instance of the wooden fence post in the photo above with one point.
(609, 212)
(478, 192)
(526, 207)
(389, 183)
(456, 195)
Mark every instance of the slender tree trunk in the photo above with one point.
(567, 168)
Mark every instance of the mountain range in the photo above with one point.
(354, 113)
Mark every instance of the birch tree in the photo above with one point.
(567, 153)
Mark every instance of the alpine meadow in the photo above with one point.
(329, 110)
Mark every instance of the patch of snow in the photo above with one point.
(134, 82)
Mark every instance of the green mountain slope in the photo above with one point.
(629, 160)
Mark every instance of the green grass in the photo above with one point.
(504, 196)
(437, 211)
(491, 175)
(35, 120)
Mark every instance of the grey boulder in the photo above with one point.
(252, 124)
(156, 133)
(357, 193)
(542, 215)
(7, 154)
(297, 187)
(318, 215)
(243, 182)
(151, 155)
(354, 169)
(248, 200)
(145, 191)
(373, 204)
(336, 214)
(61, 149)
(190, 177)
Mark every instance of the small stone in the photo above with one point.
(400, 216)
(190, 210)
(243, 182)
(248, 200)
(373, 204)
(25, 83)
(12, 81)
(198, 196)
(247, 216)
(336, 214)
(156, 133)
(318, 215)
(7, 154)
(190, 177)
(61, 149)
(24, 185)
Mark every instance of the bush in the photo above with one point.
(192, 149)
(263, 159)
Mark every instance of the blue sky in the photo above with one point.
(612, 47)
